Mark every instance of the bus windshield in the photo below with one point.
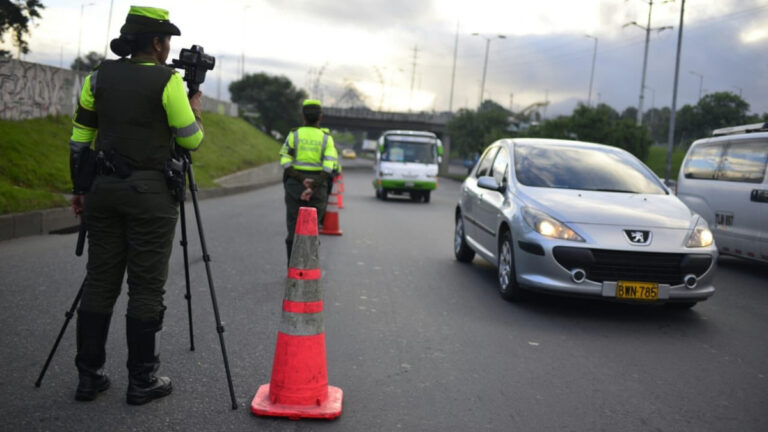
(407, 149)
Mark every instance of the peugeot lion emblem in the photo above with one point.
(638, 237)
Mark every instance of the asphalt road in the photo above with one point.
(417, 341)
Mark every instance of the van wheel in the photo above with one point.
(460, 248)
(384, 194)
(508, 287)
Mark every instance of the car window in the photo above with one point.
(744, 162)
(484, 166)
(584, 168)
(703, 161)
(500, 165)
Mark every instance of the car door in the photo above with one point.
(490, 203)
(471, 195)
(739, 212)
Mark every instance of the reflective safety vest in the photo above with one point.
(309, 149)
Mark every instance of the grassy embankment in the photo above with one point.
(34, 158)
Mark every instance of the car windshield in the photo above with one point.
(597, 169)
(406, 149)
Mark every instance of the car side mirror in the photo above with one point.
(490, 183)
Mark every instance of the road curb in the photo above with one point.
(61, 219)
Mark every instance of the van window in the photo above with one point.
(744, 162)
(484, 166)
(500, 165)
(703, 161)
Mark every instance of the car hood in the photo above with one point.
(610, 208)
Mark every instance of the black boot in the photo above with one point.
(143, 362)
(92, 330)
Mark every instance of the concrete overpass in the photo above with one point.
(375, 122)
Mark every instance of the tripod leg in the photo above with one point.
(69, 314)
(188, 294)
(207, 260)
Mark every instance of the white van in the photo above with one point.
(723, 178)
(407, 163)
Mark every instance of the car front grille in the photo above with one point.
(610, 265)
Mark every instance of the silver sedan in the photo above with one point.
(584, 219)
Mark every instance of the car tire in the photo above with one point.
(681, 305)
(426, 196)
(507, 277)
(463, 252)
(384, 194)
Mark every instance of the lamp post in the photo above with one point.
(592, 74)
(485, 65)
(671, 132)
(647, 29)
(80, 34)
(242, 52)
(701, 80)
(109, 25)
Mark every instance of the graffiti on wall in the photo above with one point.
(30, 90)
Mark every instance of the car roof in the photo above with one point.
(551, 142)
(733, 137)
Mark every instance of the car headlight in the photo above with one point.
(701, 235)
(548, 226)
(387, 173)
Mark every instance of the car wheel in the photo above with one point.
(460, 248)
(384, 194)
(426, 196)
(508, 287)
(681, 305)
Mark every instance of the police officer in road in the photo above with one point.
(140, 109)
(308, 157)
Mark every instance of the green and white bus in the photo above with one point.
(407, 163)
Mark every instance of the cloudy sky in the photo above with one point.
(369, 44)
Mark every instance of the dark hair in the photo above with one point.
(127, 45)
(311, 113)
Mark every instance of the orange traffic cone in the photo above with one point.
(299, 385)
(340, 201)
(331, 222)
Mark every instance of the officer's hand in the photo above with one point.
(306, 195)
(77, 204)
(307, 183)
(196, 102)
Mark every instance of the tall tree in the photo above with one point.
(472, 131)
(274, 98)
(15, 17)
(87, 62)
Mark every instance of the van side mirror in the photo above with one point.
(490, 183)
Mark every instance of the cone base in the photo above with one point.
(336, 233)
(330, 409)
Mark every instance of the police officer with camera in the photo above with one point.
(308, 157)
(137, 109)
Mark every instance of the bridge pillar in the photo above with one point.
(445, 166)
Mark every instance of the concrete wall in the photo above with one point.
(31, 90)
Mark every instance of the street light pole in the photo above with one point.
(485, 65)
(242, 52)
(671, 134)
(109, 25)
(592, 74)
(80, 33)
(647, 29)
(453, 73)
(701, 81)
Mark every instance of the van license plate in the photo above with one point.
(408, 184)
(637, 290)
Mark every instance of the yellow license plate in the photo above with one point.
(637, 290)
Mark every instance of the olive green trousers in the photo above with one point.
(293, 190)
(131, 224)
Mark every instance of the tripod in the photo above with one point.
(186, 159)
(186, 170)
